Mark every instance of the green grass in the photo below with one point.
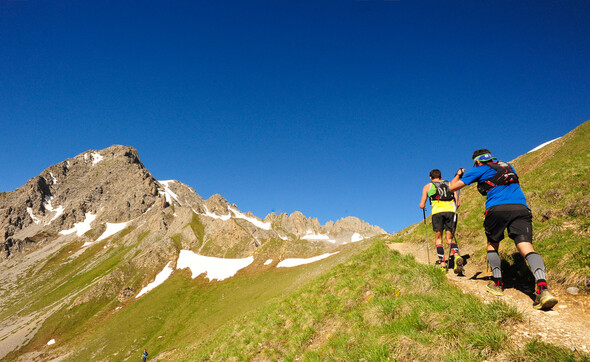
(172, 315)
(555, 180)
(379, 305)
(197, 227)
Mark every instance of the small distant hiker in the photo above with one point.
(506, 208)
(144, 355)
(444, 217)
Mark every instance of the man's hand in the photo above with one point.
(460, 172)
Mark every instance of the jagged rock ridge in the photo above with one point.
(112, 186)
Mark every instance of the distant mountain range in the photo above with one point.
(100, 227)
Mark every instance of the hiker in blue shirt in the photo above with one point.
(506, 209)
(144, 355)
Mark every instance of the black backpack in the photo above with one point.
(443, 193)
(505, 175)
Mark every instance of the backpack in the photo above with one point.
(443, 193)
(505, 175)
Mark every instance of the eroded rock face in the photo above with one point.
(112, 184)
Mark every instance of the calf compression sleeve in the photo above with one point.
(536, 264)
(454, 248)
(495, 263)
(440, 251)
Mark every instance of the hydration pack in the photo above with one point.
(442, 191)
(505, 175)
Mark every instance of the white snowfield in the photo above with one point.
(543, 145)
(215, 216)
(112, 229)
(218, 268)
(160, 278)
(254, 221)
(35, 218)
(214, 268)
(53, 179)
(289, 263)
(96, 157)
(80, 227)
(58, 211)
(356, 237)
(169, 193)
(311, 236)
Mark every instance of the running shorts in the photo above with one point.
(516, 218)
(443, 220)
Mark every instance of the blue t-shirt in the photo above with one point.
(499, 195)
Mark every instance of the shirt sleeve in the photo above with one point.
(473, 175)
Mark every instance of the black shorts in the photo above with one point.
(517, 218)
(443, 220)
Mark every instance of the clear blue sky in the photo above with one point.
(333, 108)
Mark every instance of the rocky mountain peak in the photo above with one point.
(216, 204)
(112, 184)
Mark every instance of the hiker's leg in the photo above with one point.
(440, 251)
(494, 260)
(535, 263)
(521, 231)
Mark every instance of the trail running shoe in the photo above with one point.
(544, 300)
(444, 266)
(459, 265)
(495, 289)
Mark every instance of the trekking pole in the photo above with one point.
(456, 221)
(426, 235)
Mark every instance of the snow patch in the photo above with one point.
(311, 236)
(214, 268)
(58, 211)
(96, 157)
(80, 227)
(210, 214)
(53, 179)
(254, 221)
(289, 263)
(112, 229)
(160, 278)
(169, 193)
(283, 237)
(543, 145)
(268, 262)
(356, 237)
(35, 218)
(51, 342)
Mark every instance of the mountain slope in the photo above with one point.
(379, 305)
(555, 180)
(91, 233)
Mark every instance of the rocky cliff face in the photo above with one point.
(111, 184)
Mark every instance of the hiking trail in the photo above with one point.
(567, 324)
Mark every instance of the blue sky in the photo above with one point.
(333, 108)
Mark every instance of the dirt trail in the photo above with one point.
(567, 324)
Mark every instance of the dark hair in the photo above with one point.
(480, 152)
(435, 173)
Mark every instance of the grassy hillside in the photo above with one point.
(556, 182)
(379, 305)
(173, 315)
